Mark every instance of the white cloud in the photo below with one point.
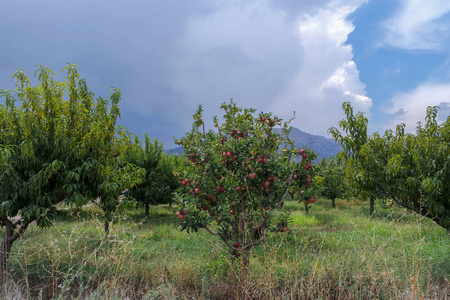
(409, 108)
(261, 56)
(244, 50)
(419, 25)
(328, 75)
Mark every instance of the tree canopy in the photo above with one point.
(412, 169)
(57, 144)
(238, 176)
(159, 183)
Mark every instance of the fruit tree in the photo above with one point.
(411, 169)
(56, 145)
(159, 183)
(417, 171)
(237, 176)
(360, 175)
(330, 178)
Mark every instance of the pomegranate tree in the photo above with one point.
(238, 174)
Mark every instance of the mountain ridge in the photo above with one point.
(321, 145)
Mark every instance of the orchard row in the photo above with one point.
(60, 144)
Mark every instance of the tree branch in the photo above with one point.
(5, 222)
(287, 190)
(251, 244)
(213, 233)
(261, 210)
(19, 232)
(418, 208)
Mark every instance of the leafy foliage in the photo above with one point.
(411, 169)
(330, 178)
(417, 171)
(238, 176)
(159, 183)
(57, 145)
(359, 174)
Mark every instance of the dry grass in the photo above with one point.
(327, 254)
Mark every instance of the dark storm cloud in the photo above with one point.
(169, 56)
(444, 111)
(118, 41)
(126, 44)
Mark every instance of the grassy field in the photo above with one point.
(326, 254)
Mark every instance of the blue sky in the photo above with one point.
(390, 58)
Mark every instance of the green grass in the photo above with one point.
(326, 254)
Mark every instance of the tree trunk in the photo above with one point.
(333, 202)
(106, 227)
(105, 215)
(8, 239)
(147, 210)
(306, 207)
(244, 265)
(372, 206)
(77, 211)
(6, 250)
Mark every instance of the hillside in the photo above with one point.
(319, 144)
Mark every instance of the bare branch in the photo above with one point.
(19, 232)
(213, 233)
(228, 244)
(418, 208)
(290, 157)
(285, 126)
(261, 224)
(251, 244)
(287, 190)
(261, 209)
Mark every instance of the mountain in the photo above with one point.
(177, 151)
(319, 144)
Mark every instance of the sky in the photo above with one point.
(389, 58)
